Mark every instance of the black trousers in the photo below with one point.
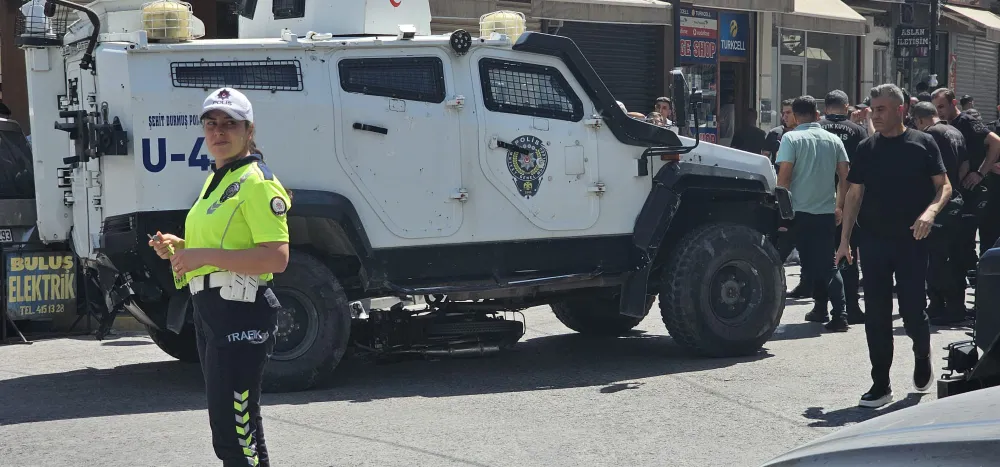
(850, 274)
(812, 235)
(906, 259)
(235, 340)
(946, 273)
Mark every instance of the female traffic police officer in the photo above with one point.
(236, 237)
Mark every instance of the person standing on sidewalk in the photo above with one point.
(809, 159)
(946, 271)
(980, 189)
(837, 121)
(899, 173)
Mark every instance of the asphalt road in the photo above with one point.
(558, 399)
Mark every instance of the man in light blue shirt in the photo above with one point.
(810, 160)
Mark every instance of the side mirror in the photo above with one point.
(679, 89)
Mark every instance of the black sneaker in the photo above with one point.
(817, 315)
(837, 325)
(876, 397)
(799, 292)
(855, 316)
(923, 374)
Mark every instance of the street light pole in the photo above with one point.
(935, 11)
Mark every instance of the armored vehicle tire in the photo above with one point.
(314, 326)
(596, 314)
(722, 293)
(183, 346)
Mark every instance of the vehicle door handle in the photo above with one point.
(513, 147)
(372, 128)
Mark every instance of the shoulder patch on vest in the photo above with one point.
(266, 172)
(278, 206)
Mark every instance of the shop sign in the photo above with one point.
(911, 41)
(40, 284)
(734, 34)
(699, 36)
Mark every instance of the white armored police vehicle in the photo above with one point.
(484, 174)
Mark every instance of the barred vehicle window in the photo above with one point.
(412, 78)
(528, 89)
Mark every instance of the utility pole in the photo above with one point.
(675, 12)
(935, 11)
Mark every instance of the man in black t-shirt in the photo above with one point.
(946, 273)
(772, 142)
(837, 122)
(983, 149)
(900, 175)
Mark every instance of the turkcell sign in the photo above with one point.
(699, 33)
(734, 34)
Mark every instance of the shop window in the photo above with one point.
(880, 66)
(831, 63)
(527, 89)
(415, 79)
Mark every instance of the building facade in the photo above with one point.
(743, 54)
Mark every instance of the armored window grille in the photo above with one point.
(267, 75)
(415, 78)
(527, 89)
(288, 9)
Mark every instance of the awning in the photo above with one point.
(827, 16)
(764, 6)
(604, 11)
(978, 18)
(466, 9)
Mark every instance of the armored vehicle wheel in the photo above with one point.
(181, 346)
(596, 314)
(314, 326)
(722, 293)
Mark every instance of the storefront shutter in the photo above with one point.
(977, 73)
(450, 25)
(628, 58)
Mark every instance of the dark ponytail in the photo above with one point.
(253, 145)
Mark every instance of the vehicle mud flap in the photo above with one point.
(177, 311)
(650, 227)
(633, 301)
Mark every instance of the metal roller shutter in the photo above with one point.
(977, 73)
(450, 25)
(627, 57)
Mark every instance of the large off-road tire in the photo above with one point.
(181, 346)
(722, 293)
(314, 326)
(596, 314)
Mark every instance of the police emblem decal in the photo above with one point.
(527, 169)
(231, 191)
(278, 206)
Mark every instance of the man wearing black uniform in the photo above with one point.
(900, 175)
(946, 273)
(837, 122)
(980, 190)
(772, 142)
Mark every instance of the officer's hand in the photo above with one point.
(839, 215)
(185, 261)
(922, 227)
(844, 251)
(162, 244)
(971, 180)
